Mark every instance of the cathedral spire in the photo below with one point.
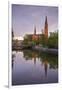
(46, 20)
(46, 28)
(12, 33)
(35, 30)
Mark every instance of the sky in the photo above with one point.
(26, 17)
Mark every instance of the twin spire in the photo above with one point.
(45, 31)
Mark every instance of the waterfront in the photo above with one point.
(33, 67)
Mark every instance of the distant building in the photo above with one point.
(35, 36)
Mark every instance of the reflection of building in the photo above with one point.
(13, 55)
(45, 66)
(36, 36)
(34, 60)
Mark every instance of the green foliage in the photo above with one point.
(51, 59)
(53, 40)
(43, 41)
(27, 39)
(33, 42)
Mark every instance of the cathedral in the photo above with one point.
(35, 36)
(44, 32)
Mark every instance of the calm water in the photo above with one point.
(31, 67)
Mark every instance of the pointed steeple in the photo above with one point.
(35, 30)
(12, 33)
(42, 31)
(46, 20)
(46, 28)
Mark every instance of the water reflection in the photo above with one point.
(44, 58)
(47, 60)
(39, 65)
(45, 66)
(13, 59)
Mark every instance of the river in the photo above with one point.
(32, 67)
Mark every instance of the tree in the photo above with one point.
(27, 39)
(53, 40)
(43, 40)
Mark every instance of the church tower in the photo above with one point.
(35, 30)
(12, 33)
(46, 28)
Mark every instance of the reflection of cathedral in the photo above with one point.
(45, 66)
(47, 60)
(13, 56)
